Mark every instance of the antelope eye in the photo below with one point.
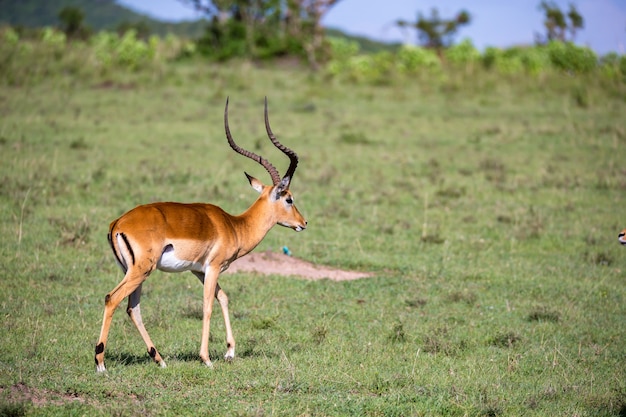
(289, 200)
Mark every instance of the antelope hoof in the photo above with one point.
(100, 368)
(162, 364)
(209, 364)
(230, 354)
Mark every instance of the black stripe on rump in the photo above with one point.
(130, 249)
(117, 256)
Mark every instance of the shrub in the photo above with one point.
(516, 60)
(491, 56)
(103, 45)
(53, 38)
(342, 52)
(462, 54)
(54, 42)
(610, 66)
(127, 52)
(569, 57)
(133, 53)
(535, 60)
(501, 61)
(370, 68)
(10, 36)
(411, 59)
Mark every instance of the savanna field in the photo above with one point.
(486, 205)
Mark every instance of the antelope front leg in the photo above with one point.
(210, 283)
(222, 298)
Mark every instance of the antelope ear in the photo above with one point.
(281, 187)
(284, 184)
(256, 184)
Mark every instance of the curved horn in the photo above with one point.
(264, 162)
(293, 157)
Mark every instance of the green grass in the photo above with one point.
(488, 209)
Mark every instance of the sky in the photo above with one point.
(494, 23)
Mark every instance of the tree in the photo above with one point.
(435, 32)
(72, 22)
(241, 28)
(260, 27)
(304, 22)
(556, 22)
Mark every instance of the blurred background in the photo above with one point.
(272, 28)
(501, 24)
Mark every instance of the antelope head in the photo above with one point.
(277, 195)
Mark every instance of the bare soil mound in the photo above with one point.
(268, 263)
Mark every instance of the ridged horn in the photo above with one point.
(293, 157)
(264, 162)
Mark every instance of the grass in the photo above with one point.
(487, 208)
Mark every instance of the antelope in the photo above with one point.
(201, 238)
(622, 237)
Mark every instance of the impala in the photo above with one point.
(622, 237)
(201, 238)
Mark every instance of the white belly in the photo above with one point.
(170, 263)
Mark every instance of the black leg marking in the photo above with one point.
(107, 298)
(152, 352)
(99, 348)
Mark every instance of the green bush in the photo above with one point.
(376, 68)
(610, 66)
(613, 66)
(103, 45)
(462, 54)
(569, 57)
(379, 68)
(53, 38)
(411, 59)
(127, 52)
(10, 36)
(133, 53)
(502, 61)
(342, 51)
(535, 60)
(222, 41)
(516, 60)
(46, 52)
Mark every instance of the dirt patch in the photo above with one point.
(21, 393)
(270, 263)
(15, 399)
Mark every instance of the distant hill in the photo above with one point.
(366, 45)
(108, 15)
(99, 15)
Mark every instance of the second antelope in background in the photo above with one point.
(201, 238)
